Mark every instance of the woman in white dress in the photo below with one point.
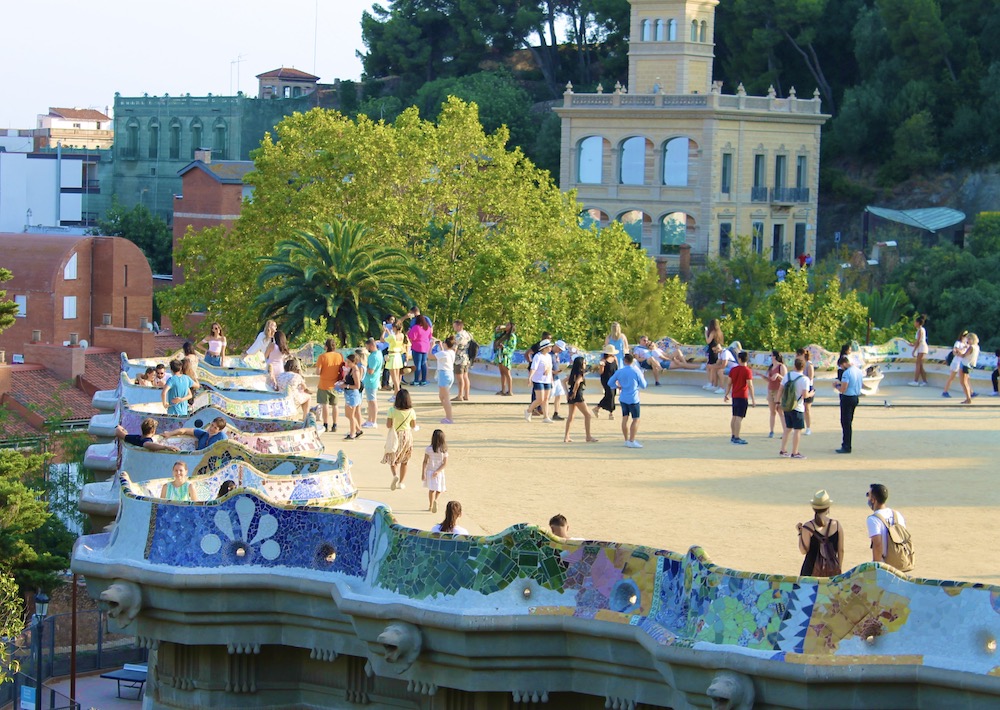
(435, 461)
(920, 351)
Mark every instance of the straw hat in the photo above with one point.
(821, 500)
(609, 349)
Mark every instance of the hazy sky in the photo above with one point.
(78, 54)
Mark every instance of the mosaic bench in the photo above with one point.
(103, 425)
(237, 403)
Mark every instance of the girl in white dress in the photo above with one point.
(435, 461)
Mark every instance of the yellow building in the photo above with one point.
(683, 166)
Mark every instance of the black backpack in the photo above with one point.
(473, 350)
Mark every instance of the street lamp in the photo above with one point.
(41, 609)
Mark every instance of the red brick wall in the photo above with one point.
(66, 362)
(126, 301)
(208, 199)
(137, 343)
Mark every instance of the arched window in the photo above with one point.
(590, 160)
(154, 138)
(660, 31)
(632, 221)
(703, 35)
(672, 31)
(219, 136)
(195, 136)
(694, 30)
(633, 168)
(131, 150)
(675, 162)
(674, 229)
(593, 217)
(647, 31)
(69, 271)
(175, 139)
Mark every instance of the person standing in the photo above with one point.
(607, 367)
(275, 355)
(328, 367)
(444, 353)
(714, 339)
(630, 379)
(795, 420)
(178, 390)
(879, 521)
(504, 346)
(420, 335)
(396, 355)
(558, 390)
(849, 387)
(775, 373)
(616, 338)
(372, 380)
(462, 363)
(820, 540)
(920, 350)
(575, 383)
(353, 376)
(541, 381)
(969, 361)
(958, 350)
(810, 372)
(403, 420)
(216, 342)
(433, 470)
(741, 387)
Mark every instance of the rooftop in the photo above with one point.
(86, 114)
(42, 391)
(225, 171)
(288, 74)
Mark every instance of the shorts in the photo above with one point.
(352, 398)
(445, 379)
(713, 357)
(966, 369)
(795, 419)
(327, 396)
(558, 390)
(772, 397)
(630, 410)
(740, 406)
(645, 365)
(535, 386)
(956, 364)
(213, 360)
(371, 392)
(461, 368)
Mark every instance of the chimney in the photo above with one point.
(203, 155)
(74, 339)
(36, 336)
(106, 319)
(143, 323)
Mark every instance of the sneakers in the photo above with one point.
(913, 384)
(657, 384)
(922, 384)
(368, 425)
(994, 394)
(720, 390)
(770, 435)
(708, 387)
(975, 394)
(784, 454)
(737, 440)
(557, 417)
(808, 431)
(632, 445)
(527, 414)
(549, 420)
(395, 483)
(946, 394)
(402, 486)
(796, 456)
(447, 421)
(842, 450)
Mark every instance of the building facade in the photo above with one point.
(157, 136)
(67, 286)
(54, 190)
(680, 164)
(84, 128)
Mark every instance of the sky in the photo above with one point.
(78, 54)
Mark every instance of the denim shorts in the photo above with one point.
(371, 392)
(352, 398)
(213, 360)
(445, 379)
(630, 410)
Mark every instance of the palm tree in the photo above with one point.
(339, 274)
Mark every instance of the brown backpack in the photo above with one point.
(827, 561)
(899, 551)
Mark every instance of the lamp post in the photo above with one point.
(41, 609)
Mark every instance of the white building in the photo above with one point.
(85, 128)
(46, 190)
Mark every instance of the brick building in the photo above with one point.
(212, 193)
(69, 286)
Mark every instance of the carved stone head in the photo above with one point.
(731, 691)
(401, 643)
(124, 601)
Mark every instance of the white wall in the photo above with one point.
(13, 143)
(30, 183)
(13, 191)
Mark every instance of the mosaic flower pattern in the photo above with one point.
(263, 528)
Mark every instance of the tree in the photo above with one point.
(144, 229)
(340, 275)
(985, 237)
(8, 309)
(493, 235)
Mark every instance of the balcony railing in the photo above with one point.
(127, 153)
(789, 195)
(758, 194)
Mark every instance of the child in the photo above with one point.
(435, 461)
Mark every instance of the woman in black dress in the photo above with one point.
(574, 398)
(821, 540)
(608, 367)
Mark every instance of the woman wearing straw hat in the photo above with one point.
(820, 540)
(607, 367)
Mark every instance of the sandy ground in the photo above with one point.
(690, 486)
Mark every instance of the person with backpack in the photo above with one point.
(820, 540)
(891, 542)
(794, 386)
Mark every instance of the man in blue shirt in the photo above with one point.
(629, 379)
(205, 437)
(849, 387)
(177, 391)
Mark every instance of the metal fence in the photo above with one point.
(96, 649)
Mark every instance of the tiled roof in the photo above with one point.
(166, 344)
(103, 368)
(42, 391)
(288, 73)
(86, 114)
(13, 426)
(225, 171)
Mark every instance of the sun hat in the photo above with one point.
(609, 349)
(545, 344)
(561, 344)
(821, 500)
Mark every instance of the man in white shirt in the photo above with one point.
(795, 420)
(541, 381)
(878, 521)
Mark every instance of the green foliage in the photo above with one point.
(659, 310)
(887, 306)
(314, 331)
(338, 275)
(144, 229)
(985, 237)
(742, 281)
(8, 309)
(11, 622)
(914, 148)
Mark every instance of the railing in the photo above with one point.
(50, 699)
(92, 185)
(688, 101)
(758, 194)
(96, 649)
(790, 194)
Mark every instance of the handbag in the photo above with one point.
(391, 441)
